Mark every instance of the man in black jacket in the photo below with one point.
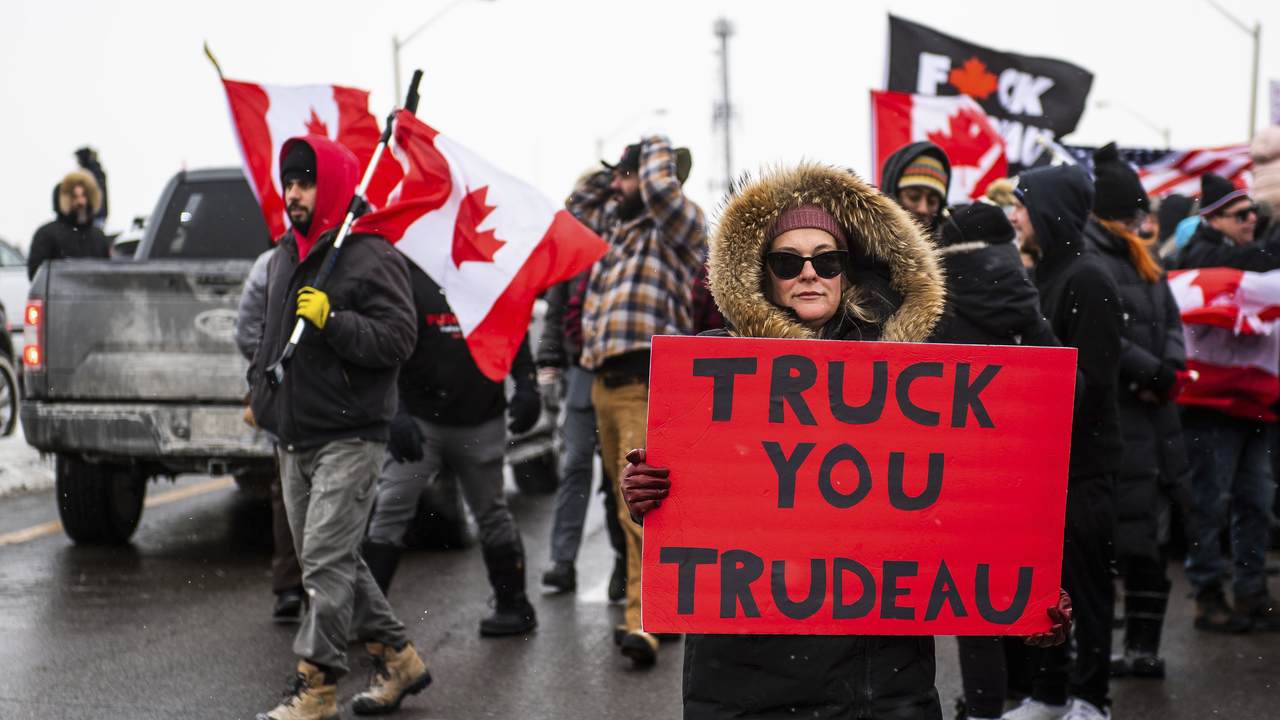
(1081, 303)
(331, 416)
(1226, 234)
(72, 233)
(450, 415)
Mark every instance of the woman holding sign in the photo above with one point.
(813, 252)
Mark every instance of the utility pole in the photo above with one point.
(1255, 33)
(723, 114)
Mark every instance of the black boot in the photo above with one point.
(512, 613)
(382, 560)
(1144, 620)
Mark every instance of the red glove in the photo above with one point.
(643, 485)
(1060, 616)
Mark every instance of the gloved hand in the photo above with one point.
(1060, 615)
(525, 406)
(643, 485)
(406, 439)
(313, 305)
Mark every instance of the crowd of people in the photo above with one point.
(382, 396)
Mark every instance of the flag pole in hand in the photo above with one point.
(357, 207)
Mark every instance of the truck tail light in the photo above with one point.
(33, 335)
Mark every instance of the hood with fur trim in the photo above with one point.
(91, 189)
(886, 249)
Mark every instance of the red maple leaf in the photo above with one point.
(973, 80)
(966, 141)
(316, 126)
(469, 244)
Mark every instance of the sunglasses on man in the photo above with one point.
(785, 265)
(1243, 215)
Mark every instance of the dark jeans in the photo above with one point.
(1087, 555)
(578, 428)
(984, 670)
(1230, 475)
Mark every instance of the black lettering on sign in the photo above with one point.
(967, 397)
(867, 412)
(902, 392)
(786, 468)
(811, 602)
(898, 496)
(723, 371)
(895, 570)
(792, 375)
(686, 560)
(982, 596)
(834, 497)
(738, 569)
(866, 602)
(944, 590)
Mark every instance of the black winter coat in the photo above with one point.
(990, 299)
(341, 383)
(440, 381)
(62, 239)
(1152, 349)
(1082, 305)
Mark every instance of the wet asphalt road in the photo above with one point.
(176, 625)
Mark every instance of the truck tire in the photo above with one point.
(99, 504)
(537, 475)
(9, 393)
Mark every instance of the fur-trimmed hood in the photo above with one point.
(91, 189)
(882, 237)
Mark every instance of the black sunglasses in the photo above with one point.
(785, 265)
(1242, 215)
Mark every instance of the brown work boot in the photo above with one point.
(1214, 614)
(396, 673)
(309, 697)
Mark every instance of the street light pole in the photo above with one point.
(1254, 32)
(724, 110)
(1162, 129)
(397, 44)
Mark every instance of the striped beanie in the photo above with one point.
(925, 171)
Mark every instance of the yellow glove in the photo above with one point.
(313, 305)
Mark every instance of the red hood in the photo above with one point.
(337, 174)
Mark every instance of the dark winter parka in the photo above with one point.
(1211, 248)
(1152, 349)
(1081, 303)
(897, 280)
(341, 383)
(66, 237)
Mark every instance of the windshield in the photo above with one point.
(214, 220)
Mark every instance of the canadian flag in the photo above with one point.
(265, 116)
(1231, 322)
(490, 241)
(957, 124)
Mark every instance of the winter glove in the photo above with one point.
(406, 439)
(1060, 616)
(313, 305)
(525, 406)
(643, 485)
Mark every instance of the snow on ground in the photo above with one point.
(21, 467)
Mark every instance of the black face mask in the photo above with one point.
(630, 207)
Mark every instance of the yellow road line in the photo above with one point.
(49, 528)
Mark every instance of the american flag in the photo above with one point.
(1164, 172)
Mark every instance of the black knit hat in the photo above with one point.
(1117, 192)
(980, 222)
(299, 163)
(1217, 192)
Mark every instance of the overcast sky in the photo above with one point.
(533, 85)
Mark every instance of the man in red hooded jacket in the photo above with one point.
(331, 416)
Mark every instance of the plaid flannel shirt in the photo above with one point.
(641, 287)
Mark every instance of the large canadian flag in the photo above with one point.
(490, 241)
(265, 116)
(957, 124)
(1231, 322)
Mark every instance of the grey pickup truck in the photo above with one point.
(130, 367)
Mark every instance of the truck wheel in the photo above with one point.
(98, 503)
(537, 475)
(9, 394)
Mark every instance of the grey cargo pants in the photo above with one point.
(328, 491)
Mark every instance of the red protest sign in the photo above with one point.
(856, 488)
